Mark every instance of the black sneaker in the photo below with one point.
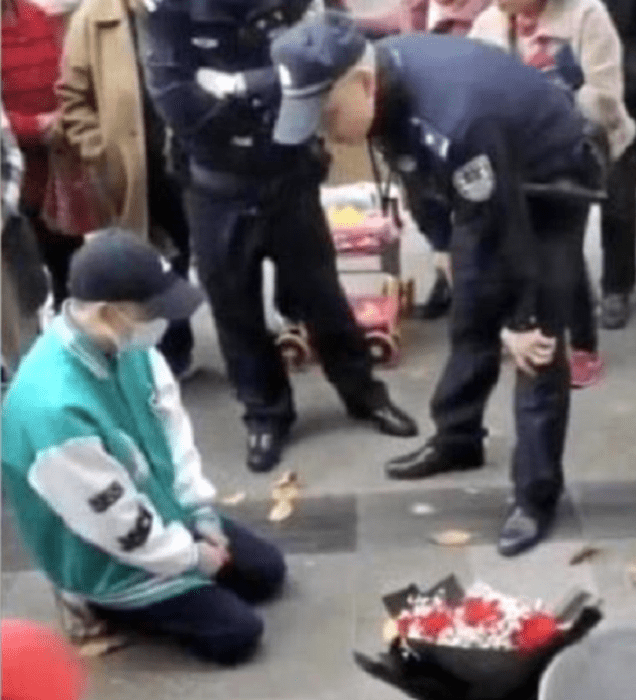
(439, 300)
(264, 446)
(435, 458)
(615, 311)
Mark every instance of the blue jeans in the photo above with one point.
(216, 622)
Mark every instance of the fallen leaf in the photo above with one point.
(285, 493)
(389, 630)
(234, 499)
(100, 647)
(422, 509)
(452, 538)
(584, 555)
(281, 511)
(287, 479)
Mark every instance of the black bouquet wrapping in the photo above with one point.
(434, 671)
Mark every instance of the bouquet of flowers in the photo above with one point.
(483, 619)
(475, 644)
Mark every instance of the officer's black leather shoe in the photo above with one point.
(388, 418)
(523, 529)
(264, 446)
(434, 458)
(439, 300)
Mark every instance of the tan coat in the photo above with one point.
(586, 25)
(102, 109)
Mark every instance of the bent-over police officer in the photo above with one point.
(477, 126)
(209, 71)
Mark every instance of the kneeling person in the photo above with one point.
(100, 465)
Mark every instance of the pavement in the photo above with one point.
(355, 535)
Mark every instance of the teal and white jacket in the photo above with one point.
(100, 466)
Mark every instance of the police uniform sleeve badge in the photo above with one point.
(475, 181)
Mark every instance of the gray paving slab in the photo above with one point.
(412, 518)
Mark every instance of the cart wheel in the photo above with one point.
(383, 348)
(294, 349)
(407, 298)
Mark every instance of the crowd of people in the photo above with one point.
(182, 131)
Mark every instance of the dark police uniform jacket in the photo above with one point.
(467, 125)
(233, 134)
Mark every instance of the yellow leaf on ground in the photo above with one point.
(234, 499)
(389, 630)
(281, 511)
(100, 647)
(286, 479)
(285, 493)
(452, 538)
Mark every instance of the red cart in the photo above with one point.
(362, 231)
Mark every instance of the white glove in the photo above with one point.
(529, 349)
(442, 262)
(221, 85)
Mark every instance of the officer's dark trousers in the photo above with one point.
(167, 210)
(216, 622)
(483, 299)
(232, 236)
(618, 227)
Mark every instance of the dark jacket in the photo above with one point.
(624, 15)
(473, 125)
(232, 134)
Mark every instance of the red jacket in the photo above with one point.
(30, 67)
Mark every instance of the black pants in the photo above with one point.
(57, 250)
(167, 210)
(216, 622)
(583, 328)
(618, 227)
(483, 298)
(231, 239)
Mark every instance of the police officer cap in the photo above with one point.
(310, 58)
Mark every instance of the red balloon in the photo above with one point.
(39, 664)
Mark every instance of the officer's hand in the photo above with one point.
(212, 558)
(442, 262)
(530, 349)
(221, 85)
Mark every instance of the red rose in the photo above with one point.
(480, 612)
(433, 624)
(537, 631)
(403, 625)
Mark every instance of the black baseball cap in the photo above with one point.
(310, 58)
(115, 266)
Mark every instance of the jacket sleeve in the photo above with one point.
(432, 216)
(171, 63)
(488, 188)
(601, 97)
(96, 499)
(193, 491)
(79, 118)
(26, 128)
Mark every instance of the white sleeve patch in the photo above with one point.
(192, 489)
(96, 498)
(475, 181)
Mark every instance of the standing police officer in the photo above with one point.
(209, 71)
(477, 125)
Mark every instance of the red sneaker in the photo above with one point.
(586, 368)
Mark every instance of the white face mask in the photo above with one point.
(145, 334)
